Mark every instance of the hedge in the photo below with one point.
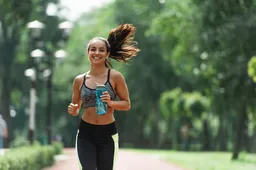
(34, 157)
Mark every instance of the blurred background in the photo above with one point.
(192, 86)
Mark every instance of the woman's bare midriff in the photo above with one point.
(91, 117)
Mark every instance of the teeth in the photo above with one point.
(97, 58)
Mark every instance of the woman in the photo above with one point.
(97, 138)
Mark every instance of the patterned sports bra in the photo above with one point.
(88, 95)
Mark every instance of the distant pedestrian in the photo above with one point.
(3, 131)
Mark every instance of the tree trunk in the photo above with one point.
(246, 137)
(141, 141)
(8, 55)
(155, 135)
(10, 42)
(206, 136)
(222, 136)
(253, 141)
(5, 105)
(240, 129)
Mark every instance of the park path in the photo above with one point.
(127, 160)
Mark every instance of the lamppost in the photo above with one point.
(31, 73)
(35, 28)
(32, 105)
(65, 28)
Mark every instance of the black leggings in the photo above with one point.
(97, 146)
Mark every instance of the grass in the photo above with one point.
(205, 160)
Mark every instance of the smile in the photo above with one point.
(96, 57)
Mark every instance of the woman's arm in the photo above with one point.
(122, 92)
(75, 105)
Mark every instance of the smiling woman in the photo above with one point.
(97, 137)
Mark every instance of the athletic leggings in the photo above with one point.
(97, 146)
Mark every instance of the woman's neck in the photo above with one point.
(97, 70)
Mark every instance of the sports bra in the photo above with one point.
(88, 95)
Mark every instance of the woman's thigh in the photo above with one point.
(87, 154)
(107, 153)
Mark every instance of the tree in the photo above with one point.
(148, 68)
(185, 107)
(229, 55)
(14, 15)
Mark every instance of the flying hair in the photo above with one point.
(120, 43)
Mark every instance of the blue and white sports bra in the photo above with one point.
(88, 95)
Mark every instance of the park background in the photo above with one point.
(192, 86)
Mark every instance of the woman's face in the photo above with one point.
(97, 52)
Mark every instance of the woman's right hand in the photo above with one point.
(73, 109)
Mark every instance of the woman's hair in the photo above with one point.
(120, 43)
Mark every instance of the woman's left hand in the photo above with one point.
(105, 97)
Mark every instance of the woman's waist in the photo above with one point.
(90, 129)
(90, 116)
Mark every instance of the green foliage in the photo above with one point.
(20, 13)
(58, 147)
(176, 103)
(35, 157)
(176, 26)
(195, 104)
(14, 57)
(19, 141)
(170, 102)
(252, 68)
(147, 75)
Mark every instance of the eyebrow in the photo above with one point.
(99, 47)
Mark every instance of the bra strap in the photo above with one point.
(84, 78)
(108, 74)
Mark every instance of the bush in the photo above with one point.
(19, 141)
(29, 157)
(58, 147)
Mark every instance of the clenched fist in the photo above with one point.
(73, 109)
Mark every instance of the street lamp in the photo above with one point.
(36, 28)
(60, 54)
(37, 53)
(31, 73)
(65, 28)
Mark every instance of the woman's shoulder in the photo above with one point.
(116, 74)
(79, 77)
(78, 80)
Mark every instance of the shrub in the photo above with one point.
(29, 157)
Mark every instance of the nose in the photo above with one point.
(97, 52)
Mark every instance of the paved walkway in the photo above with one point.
(127, 160)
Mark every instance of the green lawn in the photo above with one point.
(205, 160)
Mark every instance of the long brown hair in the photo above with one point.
(120, 43)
